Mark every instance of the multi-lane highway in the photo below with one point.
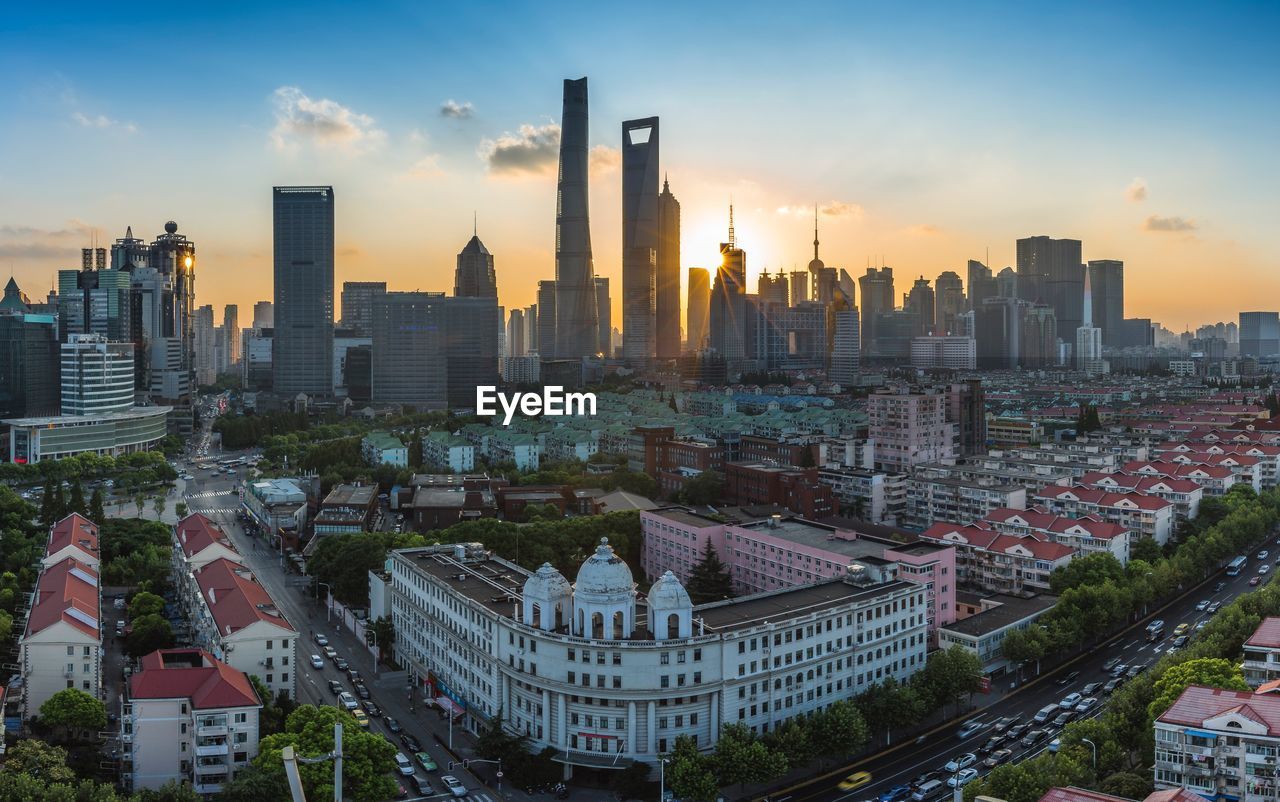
(900, 766)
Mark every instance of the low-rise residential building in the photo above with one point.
(1184, 494)
(61, 644)
(999, 563)
(384, 448)
(188, 718)
(348, 509)
(279, 507)
(1219, 744)
(984, 632)
(1002, 431)
(1087, 534)
(1267, 455)
(1143, 515)
(519, 449)
(448, 451)
(910, 428)
(438, 501)
(75, 537)
(870, 495)
(197, 541)
(1216, 480)
(796, 489)
(1262, 653)
(234, 618)
(933, 498)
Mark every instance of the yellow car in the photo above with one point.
(855, 780)
(361, 718)
(1181, 629)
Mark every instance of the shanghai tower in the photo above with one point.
(576, 323)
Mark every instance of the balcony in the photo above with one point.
(212, 730)
(209, 788)
(212, 750)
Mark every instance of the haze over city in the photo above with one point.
(926, 136)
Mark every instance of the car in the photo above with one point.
(1213, 608)
(990, 745)
(1055, 744)
(1110, 665)
(1119, 671)
(1034, 737)
(347, 700)
(372, 709)
(1201, 625)
(340, 663)
(1070, 701)
(453, 786)
(1005, 723)
(1134, 671)
(969, 728)
(1180, 641)
(410, 742)
(317, 661)
(403, 764)
(1221, 586)
(363, 692)
(361, 718)
(1091, 689)
(1253, 581)
(1015, 732)
(1181, 629)
(354, 676)
(401, 791)
(392, 725)
(1264, 568)
(1202, 605)
(962, 762)
(330, 652)
(924, 777)
(320, 640)
(425, 761)
(421, 785)
(1069, 678)
(1086, 704)
(896, 794)
(1064, 718)
(335, 687)
(855, 780)
(1264, 554)
(963, 778)
(997, 757)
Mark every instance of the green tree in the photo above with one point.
(1127, 784)
(888, 705)
(367, 757)
(839, 731)
(150, 632)
(705, 488)
(709, 580)
(384, 632)
(741, 758)
(172, 791)
(146, 604)
(97, 507)
(6, 627)
(181, 510)
(75, 503)
(253, 784)
(691, 774)
(39, 759)
(1025, 645)
(1145, 549)
(1028, 780)
(792, 741)
(1213, 672)
(1092, 569)
(951, 676)
(74, 711)
(158, 504)
(139, 499)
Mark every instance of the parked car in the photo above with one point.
(997, 757)
(962, 762)
(392, 725)
(1070, 701)
(347, 700)
(411, 743)
(425, 761)
(403, 764)
(1034, 737)
(453, 786)
(317, 661)
(853, 781)
(335, 687)
(963, 778)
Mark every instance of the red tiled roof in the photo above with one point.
(1141, 483)
(1176, 469)
(67, 591)
(1038, 518)
(1267, 635)
(1073, 794)
(235, 598)
(196, 533)
(1174, 795)
(984, 538)
(1102, 498)
(173, 674)
(1198, 704)
(74, 530)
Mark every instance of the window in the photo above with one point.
(664, 659)
(269, 645)
(666, 681)
(270, 678)
(71, 651)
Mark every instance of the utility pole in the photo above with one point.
(291, 761)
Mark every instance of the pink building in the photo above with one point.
(777, 552)
(910, 428)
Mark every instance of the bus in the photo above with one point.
(1236, 566)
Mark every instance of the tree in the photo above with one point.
(97, 507)
(139, 499)
(253, 784)
(150, 632)
(705, 488)
(792, 741)
(709, 580)
(158, 504)
(1145, 549)
(146, 604)
(172, 791)
(742, 758)
(838, 731)
(1210, 671)
(367, 759)
(1092, 569)
(384, 631)
(1024, 645)
(889, 705)
(39, 759)
(1127, 784)
(1028, 780)
(75, 503)
(691, 774)
(74, 711)
(181, 510)
(951, 676)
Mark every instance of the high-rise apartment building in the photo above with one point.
(846, 348)
(799, 289)
(981, 284)
(574, 316)
(639, 237)
(231, 332)
(96, 376)
(515, 345)
(666, 294)
(1106, 280)
(697, 308)
(1259, 333)
(357, 305)
(921, 304)
(475, 276)
(264, 315)
(876, 288)
(949, 303)
(910, 428)
(205, 345)
(604, 315)
(303, 229)
(1038, 336)
(409, 350)
(470, 347)
(727, 318)
(548, 296)
(1051, 270)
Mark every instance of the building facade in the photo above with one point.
(303, 229)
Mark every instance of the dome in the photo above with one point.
(816, 264)
(546, 583)
(604, 573)
(171, 227)
(668, 594)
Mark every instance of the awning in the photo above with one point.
(449, 706)
(593, 760)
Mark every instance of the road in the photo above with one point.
(900, 767)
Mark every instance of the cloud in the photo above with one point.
(1162, 224)
(101, 121)
(531, 151)
(829, 209)
(924, 230)
(604, 159)
(323, 122)
(348, 250)
(1136, 191)
(426, 167)
(457, 111)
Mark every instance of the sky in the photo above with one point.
(927, 134)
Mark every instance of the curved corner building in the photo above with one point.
(576, 332)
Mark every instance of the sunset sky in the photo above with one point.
(928, 133)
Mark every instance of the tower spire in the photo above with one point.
(815, 232)
(731, 245)
(475, 223)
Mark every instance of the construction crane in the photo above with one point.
(292, 760)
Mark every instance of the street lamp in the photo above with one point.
(662, 779)
(328, 609)
(1094, 748)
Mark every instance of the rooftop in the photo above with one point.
(67, 591)
(1267, 635)
(751, 611)
(1009, 610)
(196, 533)
(74, 530)
(824, 537)
(192, 674)
(84, 420)
(351, 496)
(236, 599)
(1199, 704)
(383, 440)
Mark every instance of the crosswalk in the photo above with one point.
(210, 494)
(216, 510)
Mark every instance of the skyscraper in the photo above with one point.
(357, 305)
(949, 303)
(1050, 270)
(409, 365)
(264, 315)
(639, 237)
(981, 284)
(1089, 337)
(97, 375)
(575, 326)
(727, 319)
(174, 256)
(231, 331)
(29, 359)
(876, 288)
(1106, 280)
(846, 348)
(920, 303)
(515, 334)
(205, 335)
(548, 297)
(470, 347)
(698, 303)
(666, 298)
(475, 276)
(604, 312)
(772, 289)
(1006, 283)
(1259, 333)
(799, 290)
(303, 234)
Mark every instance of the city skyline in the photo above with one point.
(1176, 181)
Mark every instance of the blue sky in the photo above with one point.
(929, 133)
